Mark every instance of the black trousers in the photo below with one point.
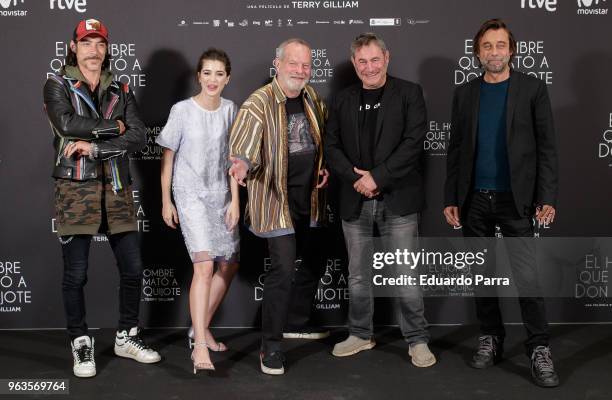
(75, 249)
(479, 216)
(289, 286)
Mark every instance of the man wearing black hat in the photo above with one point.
(95, 124)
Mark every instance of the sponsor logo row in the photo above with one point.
(584, 7)
(290, 22)
(15, 8)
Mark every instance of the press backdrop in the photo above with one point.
(155, 45)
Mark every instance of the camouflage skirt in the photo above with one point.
(91, 207)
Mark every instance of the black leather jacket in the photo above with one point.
(73, 116)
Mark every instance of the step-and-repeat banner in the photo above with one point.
(154, 47)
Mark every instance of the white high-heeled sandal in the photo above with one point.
(206, 366)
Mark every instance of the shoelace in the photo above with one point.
(137, 342)
(83, 354)
(486, 345)
(542, 359)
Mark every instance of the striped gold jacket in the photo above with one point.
(259, 137)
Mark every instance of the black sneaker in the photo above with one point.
(490, 350)
(542, 368)
(308, 332)
(272, 363)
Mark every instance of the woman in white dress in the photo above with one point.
(195, 166)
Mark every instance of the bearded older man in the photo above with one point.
(276, 145)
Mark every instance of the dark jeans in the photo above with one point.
(75, 249)
(289, 292)
(396, 232)
(480, 215)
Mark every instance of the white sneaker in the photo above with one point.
(312, 333)
(83, 356)
(421, 356)
(130, 345)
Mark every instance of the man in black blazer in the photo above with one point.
(374, 144)
(502, 170)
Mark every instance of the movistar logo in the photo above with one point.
(588, 3)
(7, 3)
(12, 13)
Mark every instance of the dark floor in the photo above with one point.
(582, 354)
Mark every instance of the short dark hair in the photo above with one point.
(494, 24)
(213, 54)
(364, 39)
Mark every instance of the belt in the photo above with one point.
(490, 191)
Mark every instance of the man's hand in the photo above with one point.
(325, 174)
(121, 127)
(81, 148)
(545, 215)
(365, 185)
(452, 216)
(238, 170)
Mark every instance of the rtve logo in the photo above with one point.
(79, 6)
(7, 3)
(548, 5)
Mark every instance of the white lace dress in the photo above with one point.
(200, 183)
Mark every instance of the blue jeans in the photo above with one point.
(396, 232)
